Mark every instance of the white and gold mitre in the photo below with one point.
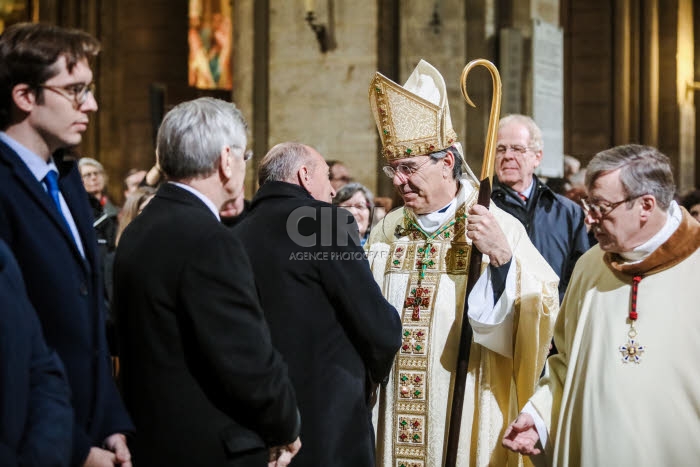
(412, 120)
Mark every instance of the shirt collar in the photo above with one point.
(673, 220)
(36, 165)
(528, 191)
(431, 221)
(199, 195)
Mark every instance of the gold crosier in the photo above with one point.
(492, 134)
(475, 260)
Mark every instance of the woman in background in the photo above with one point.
(357, 199)
(133, 206)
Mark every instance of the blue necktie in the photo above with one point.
(51, 181)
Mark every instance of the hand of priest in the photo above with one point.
(484, 231)
(521, 436)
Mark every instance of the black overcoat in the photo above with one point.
(327, 317)
(200, 376)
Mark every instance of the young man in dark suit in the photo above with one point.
(326, 313)
(201, 378)
(37, 419)
(45, 102)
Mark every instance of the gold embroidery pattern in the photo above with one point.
(408, 124)
(412, 386)
(410, 371)
(409, 463)
(419, 299)
(457, 258)
(411, 430)
(397, 256)
(425, 257)
(428, 255)
(415, 340)
(450, 258)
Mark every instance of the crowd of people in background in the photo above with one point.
(314, 325)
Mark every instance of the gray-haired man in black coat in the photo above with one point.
(201, 379)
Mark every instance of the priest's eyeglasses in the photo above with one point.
(603, 208)
(404, 170)
(77, 93)
(516, 149)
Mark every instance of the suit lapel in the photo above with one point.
(75, 197)
(36, 191)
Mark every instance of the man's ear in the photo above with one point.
(304, 177)
(24, 97)
(225, 167)
(647, 204)
(538, 157)
(448, 163)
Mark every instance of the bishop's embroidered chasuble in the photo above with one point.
(424, 275)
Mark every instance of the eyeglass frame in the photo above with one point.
(502, 149)
(407, 171)
(72, 95)
(355, 206)
(594, 209)
(95, 174)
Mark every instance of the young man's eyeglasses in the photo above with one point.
(603, 208)
(405, 170)
(516, 149)
(77, 93)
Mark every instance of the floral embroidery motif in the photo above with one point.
(414, 341)
(458, 258)
(398, 256)
(410, 430)
(412, 385)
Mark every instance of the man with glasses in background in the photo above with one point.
(553, 222)
(45, 103)
(420, 257)
(623, 390)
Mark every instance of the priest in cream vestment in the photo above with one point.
(419, 255)
(624, 389)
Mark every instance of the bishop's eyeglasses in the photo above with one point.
(77, 93)
(404, 170)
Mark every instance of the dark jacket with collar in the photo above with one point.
(327, 317)
(65, 290)
(553, 222)
(200, 376)
(36, 426)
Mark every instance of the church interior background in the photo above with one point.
(593, 73)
